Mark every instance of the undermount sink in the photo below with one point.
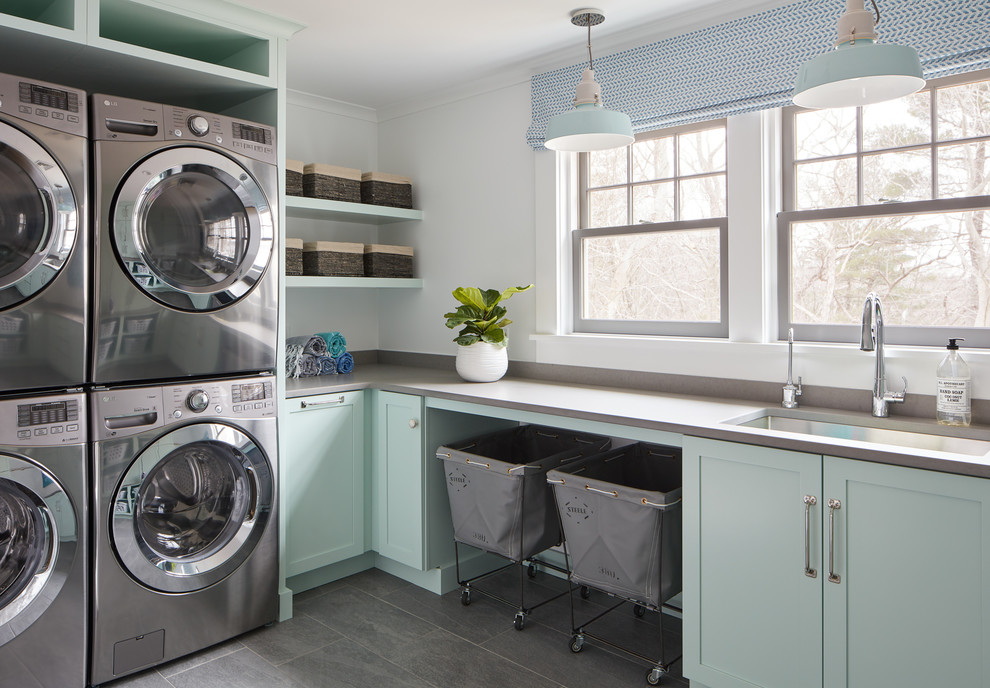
(881, 431)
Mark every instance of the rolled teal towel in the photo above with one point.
(336, 344)
(309, 365)
(311, 344)
(345, 363)
(328, 366)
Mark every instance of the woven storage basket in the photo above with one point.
(294, 177)
(378, 188)
(332, 183)
(333, 259)
(293, 256)
(381, 260)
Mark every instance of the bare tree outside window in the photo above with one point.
(650, 256)
(892, 198)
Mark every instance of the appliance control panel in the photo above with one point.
(126, 119)
(119, 412)
(39, 102)
(47, 421)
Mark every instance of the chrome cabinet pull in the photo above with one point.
(833, 504)
(310, 404)
(809, 501)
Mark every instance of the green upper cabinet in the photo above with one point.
(398, 481)
(208, 54)
(911, 603)
(893, 592)
(751, 615)
(323, 481)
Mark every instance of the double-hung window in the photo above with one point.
(892, 198)
(650, 255)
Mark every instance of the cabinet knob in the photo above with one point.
(413, 423)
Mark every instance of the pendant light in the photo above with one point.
(589, 126)
(859, 71)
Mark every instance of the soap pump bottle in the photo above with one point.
(952, 403)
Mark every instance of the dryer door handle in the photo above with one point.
(255, 495)
(52, 539)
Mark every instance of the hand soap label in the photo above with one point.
(953, 395)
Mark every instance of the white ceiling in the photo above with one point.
(384, 53)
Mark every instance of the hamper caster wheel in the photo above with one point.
(640, 611)
(585, 592)
(465, 597)
(531, 571)
(520, 621)
(577, 643)
(654, 675)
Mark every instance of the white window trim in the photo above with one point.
(753, 350)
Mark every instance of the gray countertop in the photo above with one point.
(687, 415)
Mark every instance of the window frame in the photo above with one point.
(976, 337)
(675, 328)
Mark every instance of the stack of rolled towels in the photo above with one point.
(324, 353)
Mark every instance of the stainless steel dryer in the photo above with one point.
(44, 259)
(186, 281)
(44, 563)
(185, 540)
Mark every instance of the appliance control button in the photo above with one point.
(39, 432)
(177, 132)
(58, 115)
(218, 408)
(177, 413)
(198, 125)
(26, 109)
(198, 400)
(219, 139)
(23, 434)
(237, 409)
(259, 405)
(73, 118)
(57, 430)
(71, 428)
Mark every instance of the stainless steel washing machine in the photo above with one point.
(44, 562)
(186, 266)
(44, 261)
(185, 539)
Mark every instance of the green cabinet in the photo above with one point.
(323, 473)
(398, 478)
(802, 570)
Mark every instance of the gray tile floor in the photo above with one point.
(373, 629)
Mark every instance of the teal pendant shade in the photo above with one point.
(858, 73)
(589, 127)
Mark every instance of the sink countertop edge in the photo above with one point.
(651, 410)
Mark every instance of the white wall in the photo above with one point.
(473, 179)
(324, 131)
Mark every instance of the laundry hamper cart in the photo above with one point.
(500, 501)
(620, 513)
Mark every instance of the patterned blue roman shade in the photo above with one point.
(751, 63)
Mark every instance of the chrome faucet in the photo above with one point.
(791, 391)
(872, 338)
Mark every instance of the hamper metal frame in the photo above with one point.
(661, 666)
(528, 558)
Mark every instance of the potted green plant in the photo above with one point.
(482, 341)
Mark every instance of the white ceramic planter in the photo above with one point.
(482, 362)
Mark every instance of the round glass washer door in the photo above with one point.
(38, 217)
(36, 547)
(191, 507)
(192, 228)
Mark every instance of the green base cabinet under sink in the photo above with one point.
(324, 481)
(893, 590)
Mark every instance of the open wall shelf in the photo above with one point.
(354, 282)
(342, 211)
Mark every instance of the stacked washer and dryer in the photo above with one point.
(150, 332)
(44, 275)
(183, 404)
